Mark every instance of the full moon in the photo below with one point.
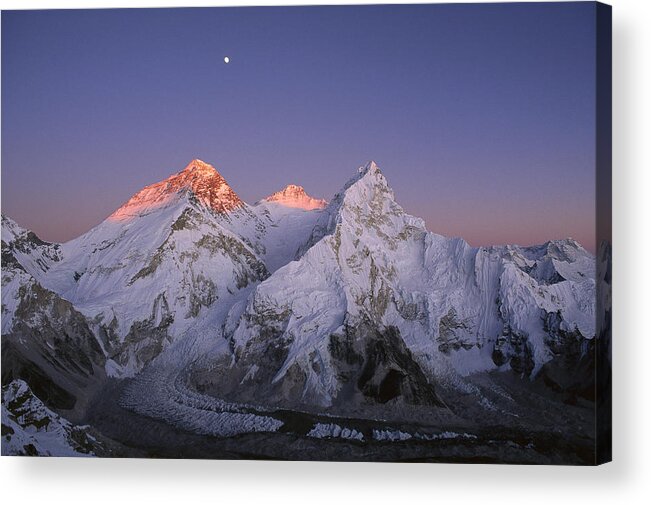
(226, 59)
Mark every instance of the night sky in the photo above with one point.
(480, 116)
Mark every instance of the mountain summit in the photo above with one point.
(198, 180)
(295, 196)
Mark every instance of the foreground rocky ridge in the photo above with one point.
(29, 428)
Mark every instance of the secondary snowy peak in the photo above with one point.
(296, 197)
(24, 250)
(198, 180)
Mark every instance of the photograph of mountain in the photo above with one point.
(448, 302)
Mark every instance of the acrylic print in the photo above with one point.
(194, 266)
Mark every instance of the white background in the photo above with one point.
(626, 480)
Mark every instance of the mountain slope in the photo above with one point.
(377, 309)
(147, 271)
(45, 339)
(286, 220)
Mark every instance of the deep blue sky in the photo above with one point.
(481, 116)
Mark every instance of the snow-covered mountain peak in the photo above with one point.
(290, 190)
(198, 179)
(296, 197)
(369, 173)
(368, 176)
(198, 166)
(371, 166)
(366, 204)
(10, 229)
(367, 196)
